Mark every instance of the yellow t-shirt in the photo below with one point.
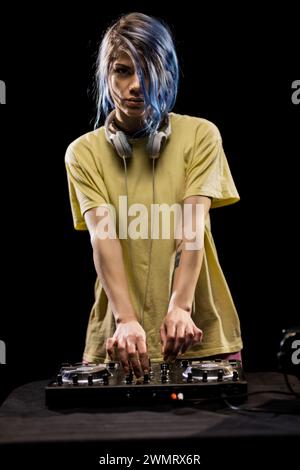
(192, 162)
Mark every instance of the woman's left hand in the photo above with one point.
(178, 332)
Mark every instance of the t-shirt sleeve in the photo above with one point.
(208, 172)
(87, 189)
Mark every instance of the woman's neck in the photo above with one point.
(129, 125)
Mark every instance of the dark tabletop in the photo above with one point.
(25, 421)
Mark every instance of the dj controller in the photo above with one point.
(183, 380)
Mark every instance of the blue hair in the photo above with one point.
(149, 43)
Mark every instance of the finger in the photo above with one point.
(198, 335)
(110, 348)
(133, 356)
(134, 362)
(180, 338)
(170, 340)
(189, 337)
(121, 346)
(143, 354)
(163, 337)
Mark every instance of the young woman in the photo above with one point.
(154, 296)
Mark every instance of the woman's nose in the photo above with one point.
(135, 83)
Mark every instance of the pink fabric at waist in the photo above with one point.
(235, 356)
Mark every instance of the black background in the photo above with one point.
(237, 67)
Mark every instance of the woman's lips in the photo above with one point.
(134, 103)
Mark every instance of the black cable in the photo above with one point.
(288, 384)
(251, 410)
(259, 410)
(258, 392)
(225, 399)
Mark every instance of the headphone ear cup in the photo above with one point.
(155, 143)
(150, 145)
(122, 146)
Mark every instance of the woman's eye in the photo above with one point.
(121, 71)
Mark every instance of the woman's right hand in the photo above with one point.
(130, 341)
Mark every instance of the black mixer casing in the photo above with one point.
(165, 384)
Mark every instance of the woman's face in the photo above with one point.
(125, 88)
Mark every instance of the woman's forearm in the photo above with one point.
(109, 264)
(188, 262)
(186, 273)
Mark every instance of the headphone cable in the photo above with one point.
(151, 238)
(142, 304)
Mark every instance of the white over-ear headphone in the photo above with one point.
(123, 148)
